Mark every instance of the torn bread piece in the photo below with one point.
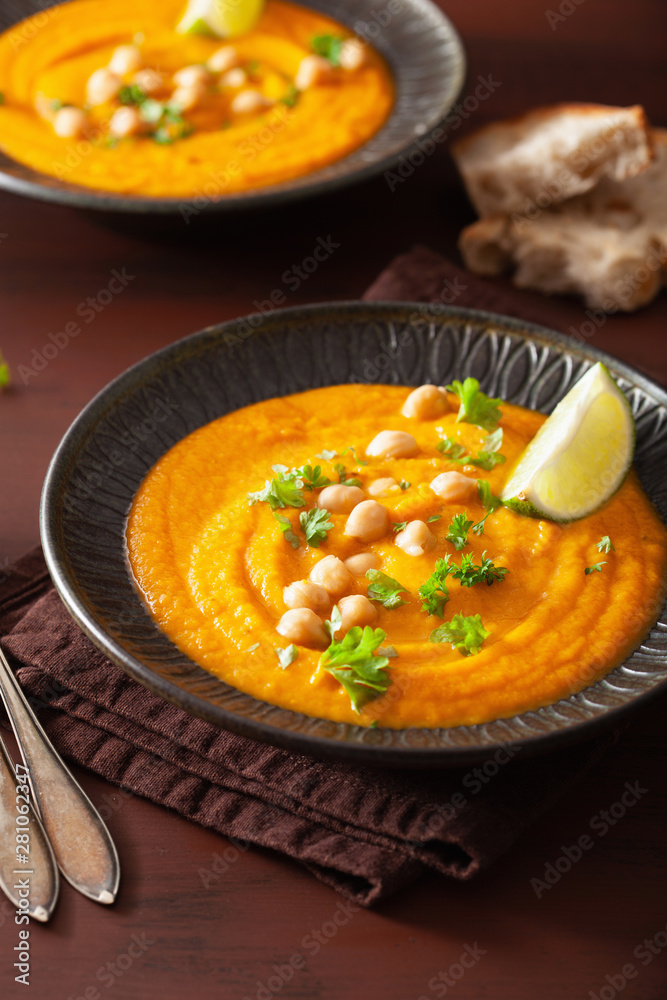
(551, 154)
(608, 245)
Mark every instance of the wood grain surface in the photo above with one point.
(196, 916)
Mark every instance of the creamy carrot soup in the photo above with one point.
(105, 93)
(342, 553)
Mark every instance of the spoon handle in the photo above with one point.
(83, 847)
(28, 869)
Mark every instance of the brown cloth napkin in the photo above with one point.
(367, 832)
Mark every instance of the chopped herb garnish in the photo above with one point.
(435, 593)
(468, 574)
(252, 66)
(400, 525)
(605, 544)
(287, 655)
(327, 454)
(151, 111)
(132, 93)
(285, 491)
(352, 450)
(315, 524)
(490, 502)
(458, 531)
(352, 661)
(595, 568)
(476, 407)
(343, 476)
(451, 449)
(312, 477)
(389, 651)
(404, 484)
(2, 98)
(4, 372)
(432, 518)
(285, 526)
(466, 634)
(385, 589)
(329, 47)
(290, 99)
(334, 622)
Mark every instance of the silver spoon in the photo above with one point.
(83, 847)
(29, 864)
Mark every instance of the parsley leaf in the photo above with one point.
(490, 502)
(290, 99)
(285, 491)
(343, 477)
(315, 525)
(334, 622)
(312, 477)
(287, 655)
(385, 589)
(285, 526)
(389, 651)
(132, 93)
(458, 531)
(404, 484)
(595, 568)
(451, 449)
(435, 593)
(400, 525)
(466, 634)
(4, 372)
(352, 661)
(488, 457)
(468, 574)
(351, 449)
(329, 47)
(476, 407)
(605, 544)
(432, 518)
(327, 454)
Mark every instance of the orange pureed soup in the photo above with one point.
(209, 118)
(213, 563)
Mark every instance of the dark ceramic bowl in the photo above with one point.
(428, 64)
(119, 436)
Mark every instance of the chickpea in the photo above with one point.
(454, 486)
(415, 539)
(368, 521)
(188, 97)
(223, 59)
(382, 487)
(392, 444)
(340, 499)
(305, 594)
(191, 76)
(102, 86)
(234, 78)
(352, 53)
(363, 561)
(69, 122)
(332, 574)
(428, 402)
(304, 627)
(356, 610)
(125, 121)
(126, 59)
(248, 101)
(149, 80)
(312, 70)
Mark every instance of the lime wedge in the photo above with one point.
(220, 18)
(580, 455)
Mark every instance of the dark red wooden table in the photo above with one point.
(176, 930)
